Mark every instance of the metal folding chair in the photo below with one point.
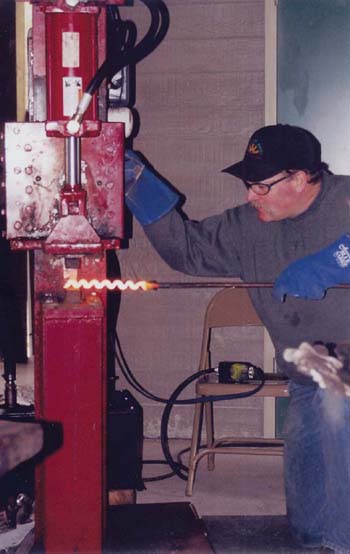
(230, 307)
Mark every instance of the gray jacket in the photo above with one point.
(237, 244)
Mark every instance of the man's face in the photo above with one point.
(283, 200)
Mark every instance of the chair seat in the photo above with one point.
(274, 386)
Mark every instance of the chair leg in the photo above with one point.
(209, 425)
(196, 432)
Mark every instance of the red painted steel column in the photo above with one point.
(70, 384)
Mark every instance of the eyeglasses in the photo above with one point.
(261, 189)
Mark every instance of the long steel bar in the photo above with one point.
(209, 285)
(223, 284)
(155, 285)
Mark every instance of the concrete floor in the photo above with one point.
(239, 485)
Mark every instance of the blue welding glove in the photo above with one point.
(146, 195)
(311, 276)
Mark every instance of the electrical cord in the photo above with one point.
(178, 468)
(131, 379)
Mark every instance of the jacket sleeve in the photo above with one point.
(205, 248)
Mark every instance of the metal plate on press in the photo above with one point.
(35, 173)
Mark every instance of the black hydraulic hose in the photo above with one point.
(158, 29)
(129, 376)
(127, 56)
(123, 34)
(179, 468)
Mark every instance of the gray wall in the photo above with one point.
(199, 96)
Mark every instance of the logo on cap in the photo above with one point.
(255, 148)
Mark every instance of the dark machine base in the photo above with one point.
(157, 529)
(175, 527)
(124, 442)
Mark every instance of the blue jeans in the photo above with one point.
(317, 467)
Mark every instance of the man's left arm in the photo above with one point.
(311, 276)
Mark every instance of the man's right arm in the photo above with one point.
(205, 248)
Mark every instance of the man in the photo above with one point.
(292, 231)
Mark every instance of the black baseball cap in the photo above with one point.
(276, 148)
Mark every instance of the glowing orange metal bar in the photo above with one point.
(74, 284)
(110, 285)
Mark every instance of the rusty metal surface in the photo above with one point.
(34, 172)
(52, 272)
(103, 180)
